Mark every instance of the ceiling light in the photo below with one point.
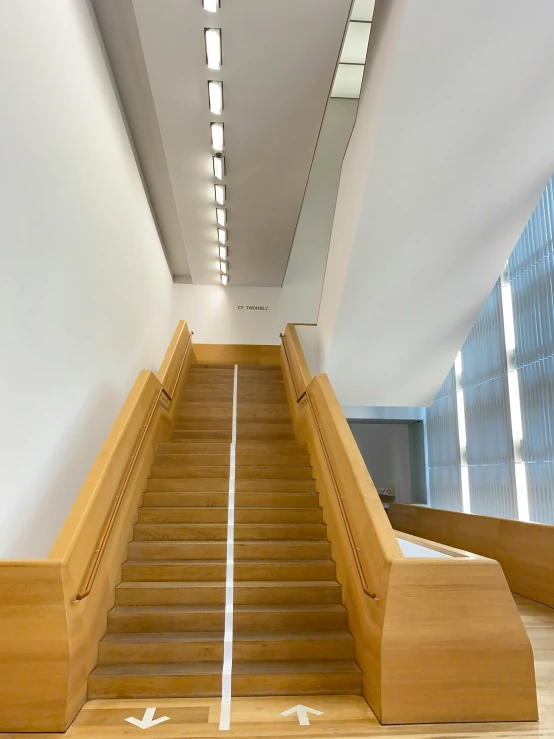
(222, 252)
(211, 5)
(213, 47)
(219, 166)
(217, 136)
(219, 194)
(215, 94)
(224, 279)
(223, 267)
(221, 215)
(222, 235)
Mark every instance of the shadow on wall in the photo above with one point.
(56, 483)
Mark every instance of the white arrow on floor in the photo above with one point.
(147, 720)
(302, 712)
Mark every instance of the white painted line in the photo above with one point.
(225, 715)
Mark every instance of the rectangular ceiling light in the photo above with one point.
(348, 81)
(220, 194)
(222, 252)
(217, 136)
(354, 50)
(362, 10)
(213, 47)
(221, 215)
(222, 235)
(211, 5)
(219, 167)
(224, 279)
(215, 94)
(223, 267)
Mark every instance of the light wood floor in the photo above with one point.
(342, 716)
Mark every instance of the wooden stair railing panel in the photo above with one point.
(524, 550)
(47, 674)
(437, 640)
(34, 649)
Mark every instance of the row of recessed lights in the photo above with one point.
(215, 95)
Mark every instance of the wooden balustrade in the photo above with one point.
(524, 550)
(438, 640)
(53, 612)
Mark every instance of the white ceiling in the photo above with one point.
(279, 60)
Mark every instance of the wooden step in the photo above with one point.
(254, 448)
(242, 500)
(218, 531)
(207, 514)
(147, 647)
(209, 550)
(217, 423)
(264, 412)
(242, 460)
(175, 646)
(215, 570)
(165, 680)
(175, 679)
(245, 593)
(221, 484)
(140, 619)
(242, 472)
(180, 471)
(189, 499)
(202, 435)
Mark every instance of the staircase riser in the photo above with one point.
(195, 572)
(295, 684)
(218, 550)
(160, 686)
(222, 471)
(220, 515)
(222, 460)
(205, 621)
(216, 596)
(263, 650)
(218, 532)
(221, 485)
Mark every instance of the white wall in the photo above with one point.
(85, 292)
(451, 150)
(385, 448)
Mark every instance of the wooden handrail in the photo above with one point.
(118, 500)
(178, 375)
(340, 498)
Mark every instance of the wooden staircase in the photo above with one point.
(165, 633)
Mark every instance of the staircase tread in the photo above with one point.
(220, 608)
(217, 636)
(219, 542)
(193, 584)
(239, 667)
(201, 524)
(272, 562)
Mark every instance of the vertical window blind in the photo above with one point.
(489, 446)
(489, 439)
(531, 276)
(443, 448)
